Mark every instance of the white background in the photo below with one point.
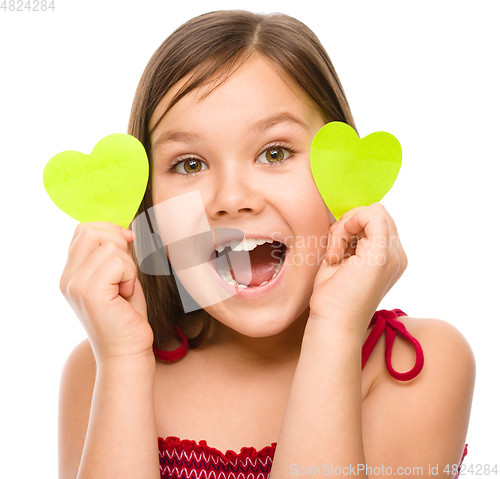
(425, 71)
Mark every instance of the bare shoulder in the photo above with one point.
(444, 346)
(448, 357)
(82, 353)
(435, 405)
(75, 399)
(79, 370)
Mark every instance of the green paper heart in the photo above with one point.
(351, 172)
(107, 185)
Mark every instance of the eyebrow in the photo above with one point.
(176, 136)
(278, 119)
(261, 125)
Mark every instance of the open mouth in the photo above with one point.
(266, 260)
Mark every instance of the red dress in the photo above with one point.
(187, 459)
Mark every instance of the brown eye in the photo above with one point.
(275, 154)
(192, 166)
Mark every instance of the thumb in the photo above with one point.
(336, 246)
(331, 261)
(137, 300)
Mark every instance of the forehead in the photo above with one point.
(255, 85)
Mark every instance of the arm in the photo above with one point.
(399, 424)
(107, 425)
(424, 421)
(111, 431)
(419, 424)
(322, 422)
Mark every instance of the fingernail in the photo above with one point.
(127, 233)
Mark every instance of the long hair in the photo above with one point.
(212, 47)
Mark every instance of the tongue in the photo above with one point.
(264, 260)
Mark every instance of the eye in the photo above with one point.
(275, 154)
(188, 166)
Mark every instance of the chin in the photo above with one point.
(256, 323)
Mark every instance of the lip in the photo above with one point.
(255, 291)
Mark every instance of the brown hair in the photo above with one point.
(211, 47)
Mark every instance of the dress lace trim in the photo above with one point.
(188, 445)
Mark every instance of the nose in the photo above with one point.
(235, 191)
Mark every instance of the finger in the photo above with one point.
(373, 225)
(339, 245)
(115, 276)
(394, 234)
(102, 225)
(342, 243)
(393, 241)
(89, 238)
(85, 273)
(137, 299)
(395, 245)
(352, 245)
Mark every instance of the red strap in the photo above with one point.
(387, 321)
(382, 320)
(178, 353)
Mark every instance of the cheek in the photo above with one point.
(313, 219)
(160, 189)
(304, 202)
(309, 220)
(154, 186)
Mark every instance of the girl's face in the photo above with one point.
(245, 149)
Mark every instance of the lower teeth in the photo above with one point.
(225, 274)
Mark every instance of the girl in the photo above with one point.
(227, 109)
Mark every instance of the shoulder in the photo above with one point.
(80, 364)
(77, 379)
(448, 356)
(435, 405)
(444, 346)
(75, 398)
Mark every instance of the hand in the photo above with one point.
(364, 259)
(100, 283)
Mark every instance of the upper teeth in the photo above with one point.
(248, 244)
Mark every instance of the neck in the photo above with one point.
(240, 350)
